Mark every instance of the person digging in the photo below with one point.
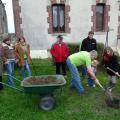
(78, 59)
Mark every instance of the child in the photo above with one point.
(94, 68)
(22, 51)
(110, 60)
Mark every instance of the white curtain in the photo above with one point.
(55, 16)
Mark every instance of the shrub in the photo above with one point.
(76, 47)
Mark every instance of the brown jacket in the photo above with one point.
(20, 54)
(8, 52)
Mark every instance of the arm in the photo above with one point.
(82, 45)
(52, 51)
(67, 52)
(95, 47)
(16, 53)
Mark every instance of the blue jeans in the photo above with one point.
(90, 79)
(75, 81)
(10, 70)
(26, 66)
(84, 71)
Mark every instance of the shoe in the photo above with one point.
(65, 76)
(94, 85)
(82, 92)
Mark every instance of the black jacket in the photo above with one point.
(88, 44)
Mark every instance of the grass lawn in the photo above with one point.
(15, 105)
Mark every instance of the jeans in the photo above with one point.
(23, 69)
(75, 81)
(84, 71)
(90, 79)
(10, 69)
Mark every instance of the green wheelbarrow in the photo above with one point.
(44, 85)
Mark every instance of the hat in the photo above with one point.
(59, 36)
(90, 32)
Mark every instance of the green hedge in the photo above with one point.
(76, 48)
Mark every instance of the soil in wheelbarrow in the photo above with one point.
(111, 100)
(42, 81)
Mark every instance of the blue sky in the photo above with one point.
(9, 11)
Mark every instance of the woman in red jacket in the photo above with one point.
(60, 52)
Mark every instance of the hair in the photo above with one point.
(6, 39)
(59, 36)
(109, 49)
(90, 32)
(21, 38)
(94, 53)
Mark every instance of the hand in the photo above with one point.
(117, 74)
(7, 62)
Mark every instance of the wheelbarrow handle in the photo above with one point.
(113, 71)
(12, 87)
(12, 77)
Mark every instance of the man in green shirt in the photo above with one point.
(77, 59)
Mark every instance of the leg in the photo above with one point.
(9, 68)
(1, 85)
(90, 79)
(28, 68)
(58, 67)
(90, 82)
(84, 72)
(23, 71)
(75, 82)
(63, 68)
(112, 81)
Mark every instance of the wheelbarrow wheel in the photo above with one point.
(47, 103)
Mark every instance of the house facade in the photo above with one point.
(3, 19)
(40, 21)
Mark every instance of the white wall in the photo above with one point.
(35, 27)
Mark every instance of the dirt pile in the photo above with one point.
(111, 100)
(42, 80)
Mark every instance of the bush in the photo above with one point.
(100, 49)
(76, 48)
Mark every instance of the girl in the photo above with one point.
(22, 50)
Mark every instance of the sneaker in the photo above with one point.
(94, 85)
(82, 92)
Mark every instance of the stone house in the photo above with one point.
(3, 19)
(40, 21)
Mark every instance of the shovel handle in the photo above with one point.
(113, 71)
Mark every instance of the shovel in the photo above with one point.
(113, 71)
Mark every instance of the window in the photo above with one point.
(58, 18)
(100, 25)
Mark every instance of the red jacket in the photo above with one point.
(60, 52)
